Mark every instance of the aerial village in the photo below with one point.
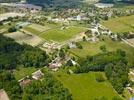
(66, 34)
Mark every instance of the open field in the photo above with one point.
(22, 72)
(122, 24)
(7, 15)
(94, 48)
(21, 38)
(61, 35)
(85, 87)
(36, 29)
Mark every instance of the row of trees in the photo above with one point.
(13, 54)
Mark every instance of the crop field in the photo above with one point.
(85, 87)
(122, 24)
(21, 38)
(61, 35)
(36, 29)
(90, 48)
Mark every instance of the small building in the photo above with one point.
(24, 81)
(3, 95)
(72, 45)
(37, 75)
(103, 5)
(55, 64)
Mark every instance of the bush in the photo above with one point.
(12, 29)
(100, 77)
(79, 45)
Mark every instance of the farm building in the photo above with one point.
(37, 75)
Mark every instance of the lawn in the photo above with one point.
(61, 35)
(85, 87)
(94, 48)
(122, 24)
(22, 72)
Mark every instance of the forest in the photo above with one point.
(13, 54)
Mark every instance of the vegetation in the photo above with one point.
(13, 54)
(119, 25)
(114, 64)
(49, 88)
(90, 49)
(22, 72)
(84, 86)
(61, 35)
(10, 84)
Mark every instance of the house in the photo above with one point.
(3, 95)
(55, 64)
(24, 81)
(72, 45)
(37, 75)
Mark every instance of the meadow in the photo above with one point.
(90, 48)
(85, 87)
(122, 24)
(61, 35)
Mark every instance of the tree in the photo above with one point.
(103, 48)
(62, 53)
(79, 45)
(12, 29)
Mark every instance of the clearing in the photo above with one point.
(23, 72)
(85, 87)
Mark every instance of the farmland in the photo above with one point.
(85, 87)
(21, 38)
(118, 25)
(61, 35)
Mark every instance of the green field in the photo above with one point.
(85, 87)
(94, 48)
(61, 35)
(122, 24)
(22, 72)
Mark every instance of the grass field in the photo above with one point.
(22, 72)
(60, 35)
(122, 24)
(85, 87)
(94, 48)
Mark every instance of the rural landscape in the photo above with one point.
(66, 49)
